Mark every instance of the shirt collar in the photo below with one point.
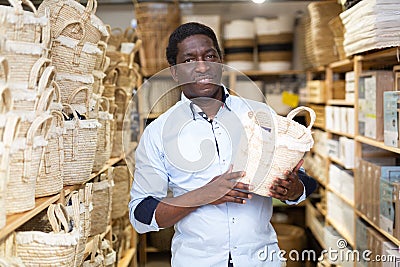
(196, 110)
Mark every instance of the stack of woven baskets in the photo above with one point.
(27, 91)
(122, 77)
(78, 47)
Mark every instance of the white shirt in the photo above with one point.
(206, 236)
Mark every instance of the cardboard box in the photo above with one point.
(350, 121)
(346, 152)
(329, 117)
(371, 86)
(349, 86)
(391, 102)
(389, 176)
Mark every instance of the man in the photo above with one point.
(189, 150)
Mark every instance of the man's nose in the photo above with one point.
(201, 66)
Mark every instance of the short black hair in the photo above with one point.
(184, 31)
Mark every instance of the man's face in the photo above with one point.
(198, 68)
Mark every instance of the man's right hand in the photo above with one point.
(225, 188)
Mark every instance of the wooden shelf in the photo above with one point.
(18, 219)
(338, 162)
(128, 256)
(260, 73)
(342, 134)
(339, 102)
(349, 240)
(343, 198)
(377, 228)
(321, 210)
(342, 65)
(377, 144)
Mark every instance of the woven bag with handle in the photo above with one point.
(286, 144)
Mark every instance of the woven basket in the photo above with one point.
(56, 248)
(8, 253)
(50, 179)
(96, 256)
(21, 57)
(120, 197)
(103, 147)
(98, 87)
(70, 83)
(65, 16)
(155, 22)
(26, 154)
(102, 203)
(80, 139)
(292, 141)
(84, 200)
(24, 26)
(110, 256)
(101, 57)
(8, 137)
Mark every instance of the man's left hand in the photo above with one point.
(290, 188)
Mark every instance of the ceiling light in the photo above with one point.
(258, 1)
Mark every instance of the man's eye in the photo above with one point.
(188, 60)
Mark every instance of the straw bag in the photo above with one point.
(68, 84)
(96, 256)
(287, 144)
(50, 179)
(103, 147)
(120, 196)
(24, 26)
(65, 14)
(82, 198)
(80, 139)
(8, 137)
(102, 202)
(56, 248)
(8, 253)
(26, 154)
(110, 256)
(155, 22)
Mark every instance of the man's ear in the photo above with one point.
(174, 73)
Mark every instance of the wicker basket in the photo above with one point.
(24, 26)
(103, 148)
(21, 57)
(122, 181)
(56, 248)
(337, 29)
(155, 22)
(70, 83)
(102, 202)
(80, 139)
(26, 154)
(65, 16)
(8, 137)
(292, 141)
(110, 256)
(96, 257)
(8, 254)
(50, 179)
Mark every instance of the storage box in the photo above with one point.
(320, 115)
(389, 175)
(391, 103)
(339, 89)
(329, 117)
(346, 152)
(316, 91)
(342, 181)
(350, 121)
(371, 86)
(349, 86)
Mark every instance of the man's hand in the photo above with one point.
(225, 188)
(290, 188)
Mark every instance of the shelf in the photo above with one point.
(321, 210)
(152, 249)
(338, 162)
(314, 151)
(377, 228)
(340, 231)
(342, 65)
(377, 144)
(343, 198)
(380, 55)
(342, 134)
(128, 256)
(339, 102)
(16, 220)
(259, 73)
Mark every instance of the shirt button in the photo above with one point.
(235, 247)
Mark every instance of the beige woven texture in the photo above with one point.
(291, 139)
(120, 192)
(102, 203)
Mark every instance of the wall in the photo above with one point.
(120, 15)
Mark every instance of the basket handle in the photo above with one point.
(34, 75)
(62, 216)
(103, 47)
(52, 218)
(11, 130)
(45, 100)
(121, 91)
(4, 63)
(130, 37)
(297, 110)
(75, 145)
(57, 120)
(60, 29)
(46, 78)
(57, 92)
(112, 76)
(44, 119)
(6, 100)
(46, 29)
(75, 93)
